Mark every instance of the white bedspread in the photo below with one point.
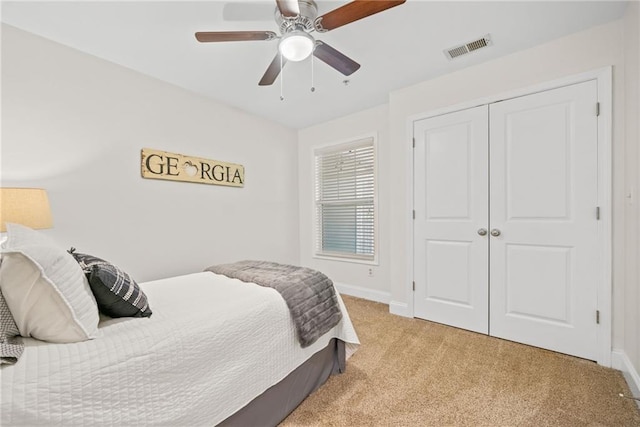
(210, 347)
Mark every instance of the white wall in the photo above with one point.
(352, 278)
(74, 125)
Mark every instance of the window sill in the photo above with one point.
(346, 259)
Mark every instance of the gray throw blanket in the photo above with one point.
(308, 293)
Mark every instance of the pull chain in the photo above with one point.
(281, 79)
(313, 88)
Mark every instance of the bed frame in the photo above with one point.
(278, 401)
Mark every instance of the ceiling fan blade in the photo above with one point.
(272, 72)
(234, 36)
(353, 11)
(335, 59)
(288, 8)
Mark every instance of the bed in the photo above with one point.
(217, 351)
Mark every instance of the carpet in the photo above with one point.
(411, 372)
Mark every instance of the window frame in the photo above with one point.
(333, 147)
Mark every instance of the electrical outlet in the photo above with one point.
(370, 271)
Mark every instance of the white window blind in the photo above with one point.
(345, 201)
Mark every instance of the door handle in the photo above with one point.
(495, 232)
(482, 232)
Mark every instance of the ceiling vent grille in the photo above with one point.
(469, 47)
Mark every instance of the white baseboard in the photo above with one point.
(620, 361)
(360, 292)
(400, 309)
(397, 308)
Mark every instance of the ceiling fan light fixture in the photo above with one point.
(296, 45)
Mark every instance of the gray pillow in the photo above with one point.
(117, 294)
(11, 345)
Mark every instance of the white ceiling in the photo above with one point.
(396, 48)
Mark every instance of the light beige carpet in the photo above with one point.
(410, 372)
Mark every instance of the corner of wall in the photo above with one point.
(621, 362)
(400, 309)
(365, 293)
(631, 290)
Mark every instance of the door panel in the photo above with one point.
(537, 162)
(535, 292)
(447, 285)
(450, 199)
(447, 159)
(543, 199)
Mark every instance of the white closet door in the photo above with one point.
(543, 198)
(451, 205)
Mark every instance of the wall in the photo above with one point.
(74, 124)
(588, 50)
(631, 326)
(351, 278)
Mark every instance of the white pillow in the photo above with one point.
(45, 289)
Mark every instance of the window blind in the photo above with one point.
(345, 201)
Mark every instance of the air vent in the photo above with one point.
(469, 47)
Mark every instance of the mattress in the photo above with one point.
(212, 345)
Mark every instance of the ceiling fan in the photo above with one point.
(296, 19)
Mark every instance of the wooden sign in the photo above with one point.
(157, 164)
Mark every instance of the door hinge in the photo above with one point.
(414, 285)
(414, 143)
(598, 317)
(597, 108)
(598, 213)
(414, 214)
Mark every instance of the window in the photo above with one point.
(345, 201)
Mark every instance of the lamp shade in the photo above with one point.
(25, 206)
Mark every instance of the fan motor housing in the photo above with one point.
(304, 21)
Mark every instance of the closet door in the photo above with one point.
(451, 216)
(543, 198)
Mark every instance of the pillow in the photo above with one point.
(45, 289)
(117, 294)
(11, 347)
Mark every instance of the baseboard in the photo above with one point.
(400, 309)
(620, 361)
(397, 308)
(360, 292)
